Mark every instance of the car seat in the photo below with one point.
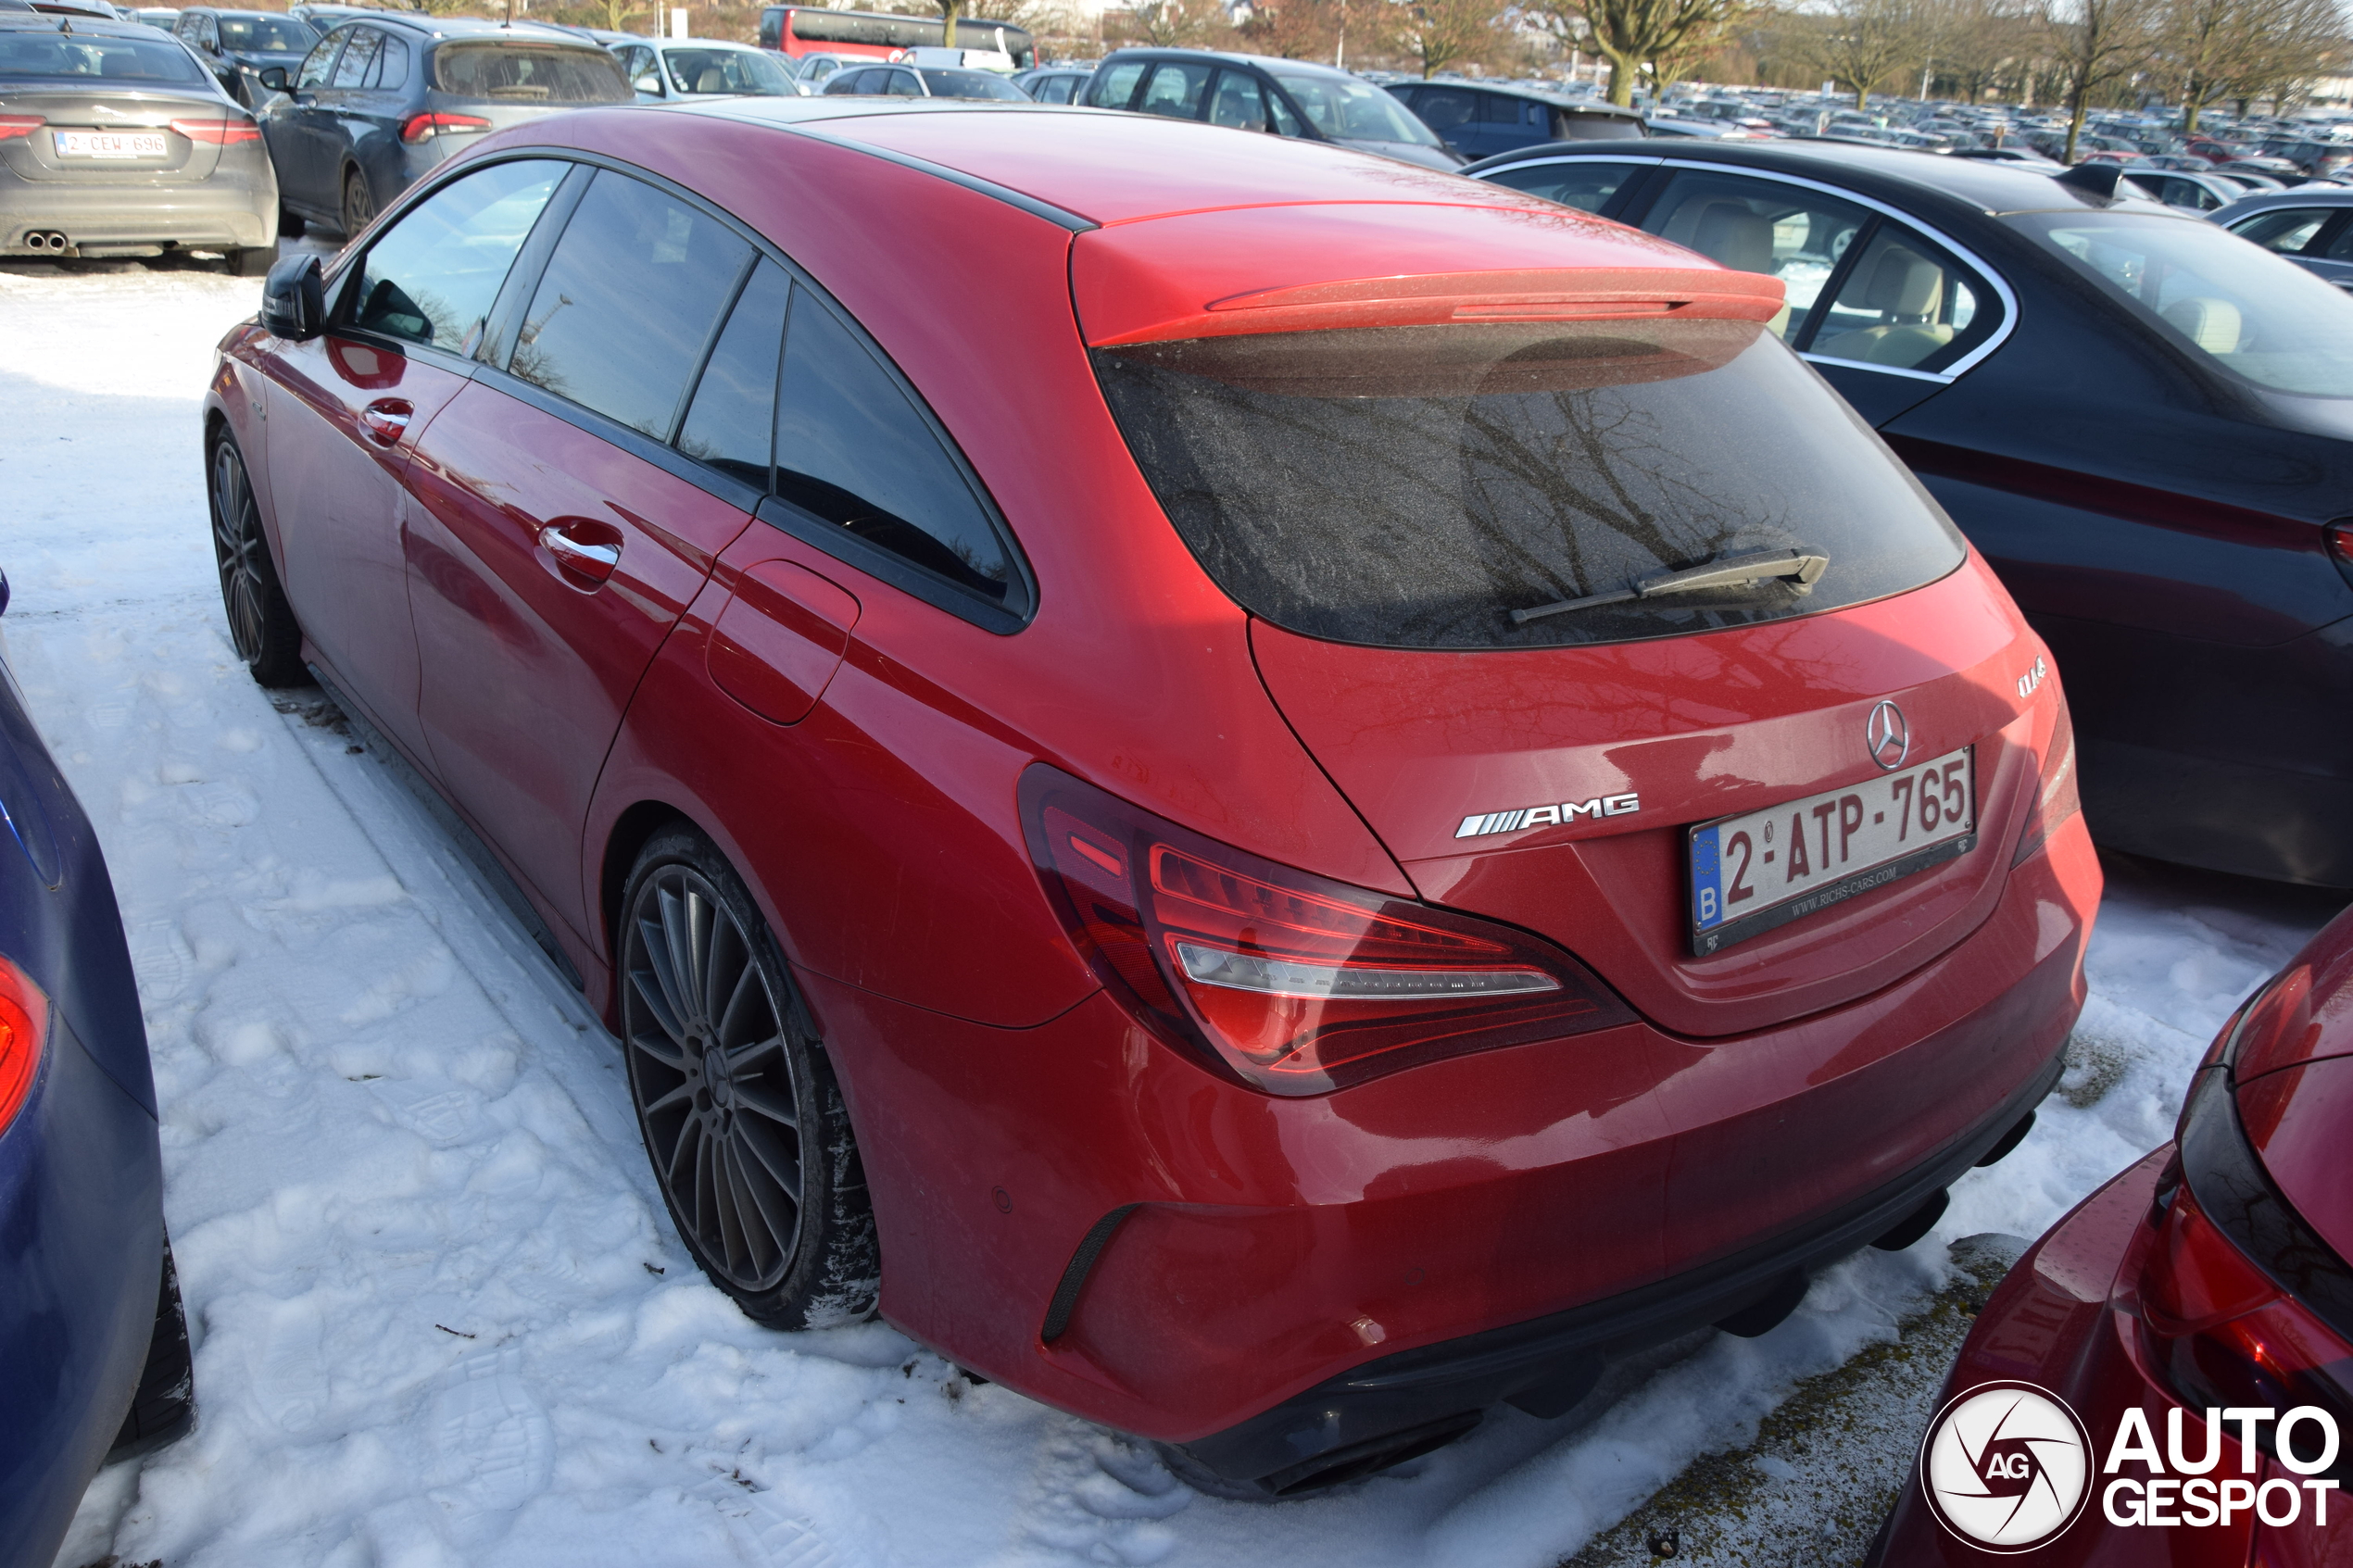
(2213, 324)
(1906, 289)
(712, 79)
(1734, 234)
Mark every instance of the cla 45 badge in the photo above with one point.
(1482, 822)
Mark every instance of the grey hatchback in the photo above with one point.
(115, 141)
(380, 101)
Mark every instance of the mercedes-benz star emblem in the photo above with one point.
(1888, 737)
(2006, 1467)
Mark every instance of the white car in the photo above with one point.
(663, 70)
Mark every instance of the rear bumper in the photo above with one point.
(1546, 1366)
(1266, 1248)
(225, 212)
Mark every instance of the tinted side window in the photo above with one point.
(433, 276)
(319, 63)
(358, 58)
(1905, 304)
(628, 300)
(1175, 90)
(853, 451)
(2286, 230)
(392, 69)
(1786, 231)
(1112, 89)
(1446, 109)
(1587, 182)
(732, 419)
(1237, 102)
(1497, 109)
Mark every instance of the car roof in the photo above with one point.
(1990, 187)
(1232, 56)
(1515, 90)
(472, 27)
(83, 26)
(1128, 168)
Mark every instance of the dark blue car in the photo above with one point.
(94, 1348)
(1480, 119)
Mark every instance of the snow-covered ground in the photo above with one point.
(439, 1314)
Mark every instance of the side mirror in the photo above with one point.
(648, 82)
(274, 77)
(294, 298)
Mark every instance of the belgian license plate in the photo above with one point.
(1764, 869)
(109, 144)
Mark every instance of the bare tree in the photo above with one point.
(1862, 43)
(1438, 33)
(2245, 49)
(1170, 24)
(2095, 46)
(1630, 34)
(1295, 29)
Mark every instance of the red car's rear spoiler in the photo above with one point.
(1272, 271)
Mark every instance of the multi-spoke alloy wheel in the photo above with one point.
(262, 624)
(741, 1117)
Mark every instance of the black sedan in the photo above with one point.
(2143, 423)
(379, 102)
(238, 45)
(93, 1346)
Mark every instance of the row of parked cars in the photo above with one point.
(1355, 715)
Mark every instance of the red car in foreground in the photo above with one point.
(1284, 797)
(2195, 1316)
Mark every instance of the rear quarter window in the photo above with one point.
(1411, 487)
(529, 73)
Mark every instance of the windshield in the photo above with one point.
(2237, 303)
(1412, 486)
(727, 71)
(125, 59)
(529, 73)
(1349, 111)
(970, 84)
(267, 35)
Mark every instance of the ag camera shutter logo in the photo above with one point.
(2007, 1466)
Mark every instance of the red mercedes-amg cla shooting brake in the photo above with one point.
(2196, 1317)
(1276, 798)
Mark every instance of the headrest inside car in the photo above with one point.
(1729, 232)
(2212, 324)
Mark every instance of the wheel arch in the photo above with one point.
(631, 832)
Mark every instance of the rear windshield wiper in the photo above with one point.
(1731, 572)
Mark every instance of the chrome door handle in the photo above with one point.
(593, 562)
(387, 420)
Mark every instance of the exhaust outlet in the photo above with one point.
(47, 238)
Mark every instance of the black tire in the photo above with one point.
(164, 1408)
(290, 222)
(742, 1118)
(255, 261)
(358, 202)
(262, 624)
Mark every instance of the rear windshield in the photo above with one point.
(970, 84)
(1410, 486)
(1595, 128)
(530, 74)
(267, 35)
(2238, 305)
(116, 60)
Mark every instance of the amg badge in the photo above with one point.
(1548, 816)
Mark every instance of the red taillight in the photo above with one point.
(2057, 797)
(2232, 1300)
(1292, 982)
(425, 127)
(2339, 534)
(24, 1031)
(15, 125)
(218, 132)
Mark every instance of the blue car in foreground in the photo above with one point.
(93, 1347)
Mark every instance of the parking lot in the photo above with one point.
(440, 1314)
